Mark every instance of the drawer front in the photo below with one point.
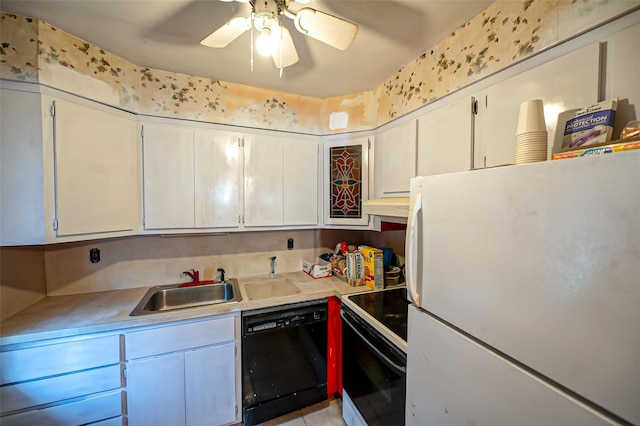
(116, 421)
(33, 363)
(140, 344)
(76, 413)
(45, 391)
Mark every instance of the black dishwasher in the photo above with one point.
(284, 359)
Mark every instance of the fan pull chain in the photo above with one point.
(251, 42)
(281, 49)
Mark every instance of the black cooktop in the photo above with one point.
(389, 306)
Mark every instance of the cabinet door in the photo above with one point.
(262, 181)
(559, 87)
(155, 391)
(96, 169)
(21, 168)
(395, 154)
(168, 177)
(444, 139)
(300, 182)
(216, 164)
(210, 385)
(623, 58)
(346, 180)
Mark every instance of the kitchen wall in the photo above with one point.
(22, 274)
(33, 51)
(154, 260)
(505, 33)
(142, 261)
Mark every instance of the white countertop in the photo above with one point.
(67, 316)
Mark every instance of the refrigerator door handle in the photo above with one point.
(410, 249)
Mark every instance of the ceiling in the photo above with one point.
(166, 34)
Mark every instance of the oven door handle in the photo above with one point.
(398, 368)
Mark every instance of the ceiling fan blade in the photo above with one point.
(227, 33)
(326, 28)
(289, 53)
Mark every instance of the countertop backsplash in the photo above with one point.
(31, 273)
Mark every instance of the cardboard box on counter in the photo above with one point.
(597, 150)
(355, 269)
(590, 126)
(319, 269)
(373, 267)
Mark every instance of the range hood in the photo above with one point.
(389, 209)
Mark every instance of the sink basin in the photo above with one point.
(178, 296)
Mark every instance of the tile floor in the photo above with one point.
(327, 413)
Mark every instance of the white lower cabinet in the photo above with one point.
(74, 381)
(210, 378)
(155, 390)
(184, 374)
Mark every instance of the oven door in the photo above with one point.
(373, 372)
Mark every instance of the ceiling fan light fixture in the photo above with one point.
(274, 39)
(326, 28)
(265, 43)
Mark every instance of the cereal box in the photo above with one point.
(373, 267)
(355, 269)
(598, 150)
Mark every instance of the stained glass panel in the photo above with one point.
(346, 182)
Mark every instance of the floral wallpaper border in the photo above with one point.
(505, 33)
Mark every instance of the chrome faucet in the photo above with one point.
(195, 275)
(273, 267)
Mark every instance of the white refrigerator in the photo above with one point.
(525, 290)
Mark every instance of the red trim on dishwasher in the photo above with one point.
(334, 347)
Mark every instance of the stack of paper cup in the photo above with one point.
(531, 134)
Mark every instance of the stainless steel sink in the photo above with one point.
(180, 296)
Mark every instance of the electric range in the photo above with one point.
(385, 310)
(374, 360)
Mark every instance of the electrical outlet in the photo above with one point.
(94, 255)
(290, 243)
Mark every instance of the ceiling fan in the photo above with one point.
(274, 38)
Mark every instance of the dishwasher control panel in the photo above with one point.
(272, 319)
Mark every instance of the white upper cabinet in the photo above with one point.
(395, 159)
(346, 180)
(621, 76)
(96, 169)
(568, 82)
(22, 183)
(190, 177)
(200, 178)
(280, 181)
(445, 138)
(69, 168)
(263, 192)
(217, 179)
(300, 181)
(168, 176)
